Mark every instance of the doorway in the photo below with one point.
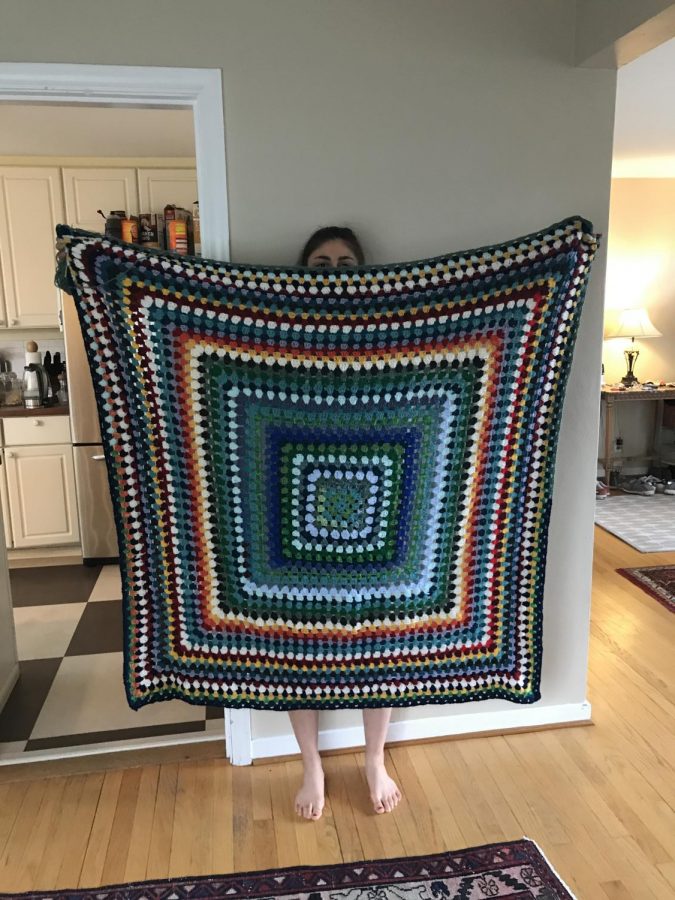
(88, 598)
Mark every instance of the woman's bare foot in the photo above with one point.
(384, 791)
(310, 799)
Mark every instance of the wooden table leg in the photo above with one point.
(609, 434)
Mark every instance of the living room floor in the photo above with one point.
(599, 800)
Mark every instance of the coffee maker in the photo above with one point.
(35, 378)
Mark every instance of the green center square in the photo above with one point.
(339, 502)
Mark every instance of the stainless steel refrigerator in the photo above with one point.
(97, 523)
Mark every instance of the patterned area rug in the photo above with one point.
(646, 523)
(657, 581)
(510, 871)
(332, 488)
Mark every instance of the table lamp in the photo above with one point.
(632, 323)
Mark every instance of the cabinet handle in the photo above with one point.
(37, 422)
(13, 321)
(10, 454)
(98, 456)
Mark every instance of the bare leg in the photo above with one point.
(309, 800)
(383, 790)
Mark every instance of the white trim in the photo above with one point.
(57, 753)
(434, 727)
(156, 86)
(198, 89)
(238, 737)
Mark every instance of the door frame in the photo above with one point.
(154, 86)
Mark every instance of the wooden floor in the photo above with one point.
(600, 800)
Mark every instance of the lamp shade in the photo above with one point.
(633, 323)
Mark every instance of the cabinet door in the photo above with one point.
(31, 206)
(4, 502)
(88, 190)
(41, 490)
(159, 187)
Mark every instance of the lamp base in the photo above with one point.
(631, 355)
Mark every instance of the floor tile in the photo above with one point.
(21, 711)
(99, 629)
(110, 737)
(216, 727)
(108, 585)
(52, 584)
(12, 748)
(88, 696)
(44, 632)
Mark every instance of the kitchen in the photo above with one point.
(134, 168)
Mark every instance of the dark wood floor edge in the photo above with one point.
(118, 759)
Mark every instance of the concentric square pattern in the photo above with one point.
(332, 488)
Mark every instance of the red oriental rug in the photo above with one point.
(657, 581)
(516, 870)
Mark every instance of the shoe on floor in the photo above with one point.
(661, 485)
(601, 490)
(641, 484)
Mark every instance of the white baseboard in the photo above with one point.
(7, 685)
(434, 727)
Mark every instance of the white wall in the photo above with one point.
(427, 126)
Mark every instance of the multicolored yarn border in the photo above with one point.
(178, 347)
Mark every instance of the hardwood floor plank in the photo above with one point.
(101, 829)
(119, 844)
(159, 853)
(11, 798)
(141, 828)
(24, 824)
(32, 845)
(222, 825)
(78, 829)
(343, 810)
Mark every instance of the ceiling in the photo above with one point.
(56, 130)
(644, 132)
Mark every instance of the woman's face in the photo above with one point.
(330, 255)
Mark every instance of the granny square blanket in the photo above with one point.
(331, 487)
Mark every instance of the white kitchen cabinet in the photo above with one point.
(41, 494)
(159, 187)
(31, 205)
(4, 501)
(87, 190)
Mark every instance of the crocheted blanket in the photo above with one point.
(331, 488)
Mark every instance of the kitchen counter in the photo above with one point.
(20, 412)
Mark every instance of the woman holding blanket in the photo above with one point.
(333, 247)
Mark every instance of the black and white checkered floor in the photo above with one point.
(70, 691)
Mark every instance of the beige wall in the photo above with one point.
(641, 272)
(428, 126)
